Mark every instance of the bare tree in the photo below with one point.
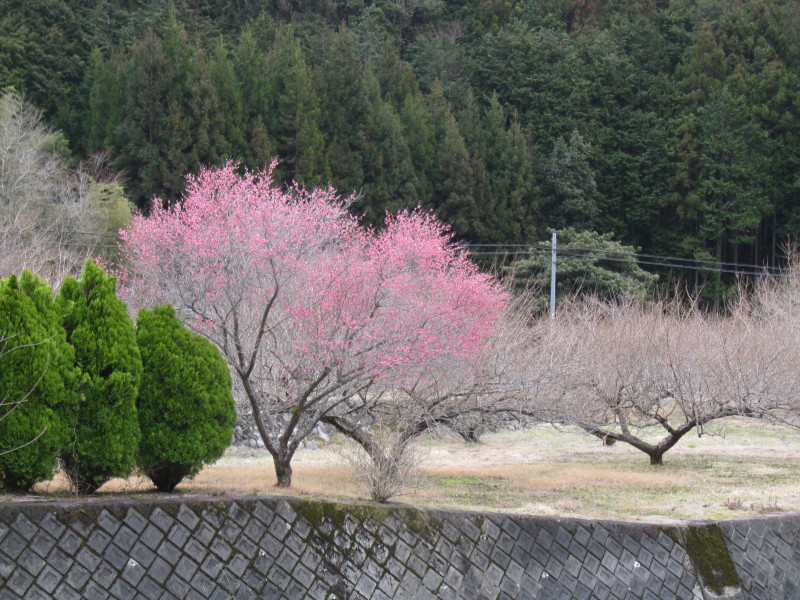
(41, 201)
(464, 394)
(648, 375)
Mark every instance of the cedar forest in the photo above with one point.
(672, 125)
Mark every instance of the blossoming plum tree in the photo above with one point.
(309, 308)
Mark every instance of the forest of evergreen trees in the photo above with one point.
(672, 124)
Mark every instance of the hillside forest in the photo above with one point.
(670, 125)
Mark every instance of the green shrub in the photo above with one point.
(186, 409)
(37, 382)
(106, 435)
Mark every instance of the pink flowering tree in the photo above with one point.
(309, 308)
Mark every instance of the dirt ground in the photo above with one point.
(740, 470)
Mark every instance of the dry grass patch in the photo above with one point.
(754, 469)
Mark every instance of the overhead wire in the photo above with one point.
(641, 259)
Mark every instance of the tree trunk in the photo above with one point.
(657, 459)
(283, 471)
(472, 435)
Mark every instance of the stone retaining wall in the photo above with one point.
(246, 548)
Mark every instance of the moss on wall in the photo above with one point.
(706, 547)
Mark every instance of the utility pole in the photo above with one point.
(553, 278)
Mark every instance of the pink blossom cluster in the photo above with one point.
(291, 288)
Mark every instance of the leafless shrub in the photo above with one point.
(388, 465)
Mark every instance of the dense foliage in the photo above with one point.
(185, 406)
(98, 327)
(673, 124)
(37, 383)
(588, 263)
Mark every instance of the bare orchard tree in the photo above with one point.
(774, 308)
(41, 202)
(461, 394)
(667, 369)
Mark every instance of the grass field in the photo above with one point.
(749, 469)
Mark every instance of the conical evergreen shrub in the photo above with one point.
(106, 434)
(37, 382)
(186, 408)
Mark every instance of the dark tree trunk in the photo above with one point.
(283, 471)
(472, 435)
(167, 477)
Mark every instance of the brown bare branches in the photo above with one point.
(648, 375)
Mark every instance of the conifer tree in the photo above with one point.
(101, 332)
(569, 184)
(37, 382)
(295, 116)
(185, 406)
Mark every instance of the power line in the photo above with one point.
(656, 259)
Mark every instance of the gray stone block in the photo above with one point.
(211, 566)
(125, 538)
(133, 572)
(48, 579)
(59, 560)
(221, 549)
(213, 515)
(115, 556)
(69, 542)
(365, 586)
(203, 584)
(387, 536)
(151, 536)
(186, 568)
(169, 552)
(31, 562)
(263, 513)
(94, 592)
(104, 575)
(161, 519)
(24, 527)
(65, 592)
(122, 589)
(12, 545)
(135, 520)
(77, 576)
(152, 590)
(177, 587)
(50, 524)
(159, 570)
(230, 531)
(108, 522)
(142, 555)
(195, 550)
(187, 517)
(500, 558)
(42, 542)
(417, 565)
